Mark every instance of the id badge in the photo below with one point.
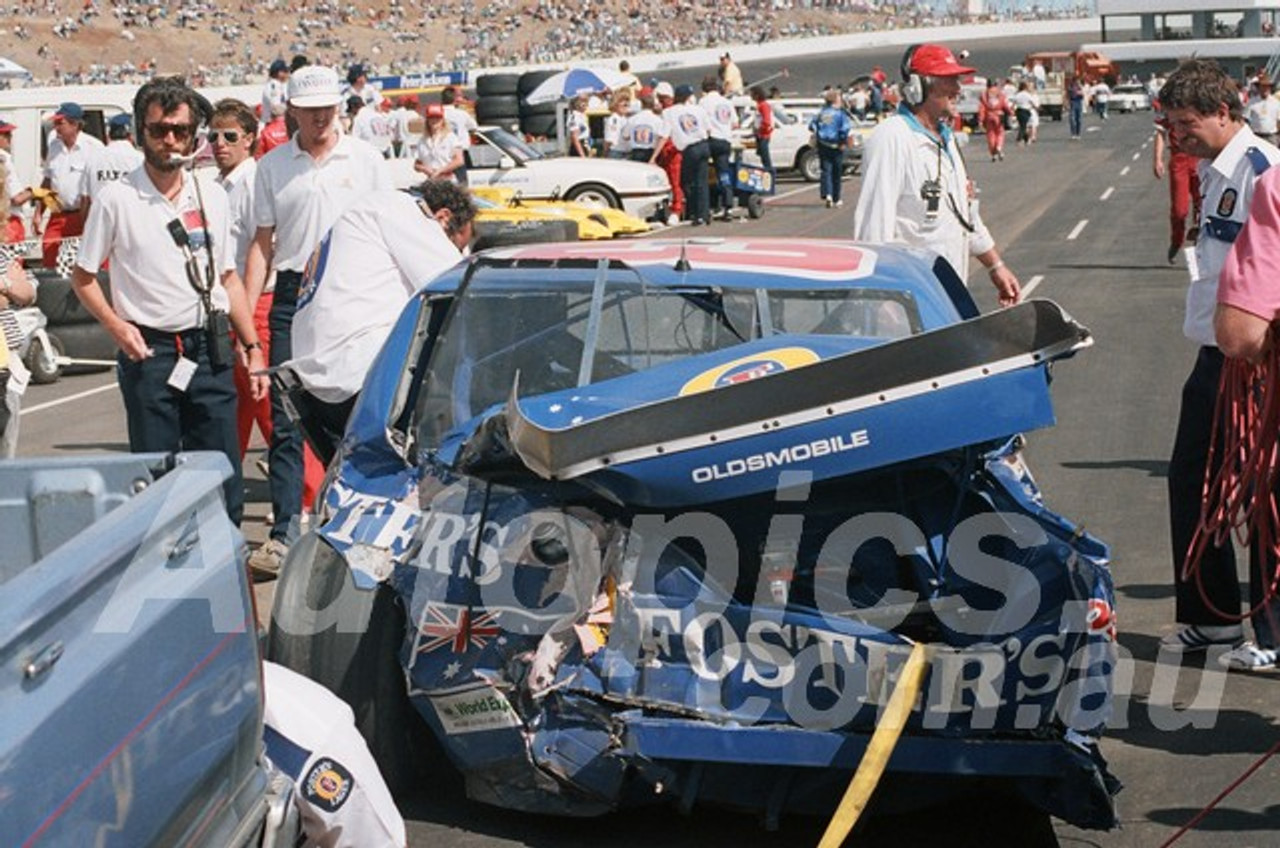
(183, 370)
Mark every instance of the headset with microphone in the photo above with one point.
(913, 85)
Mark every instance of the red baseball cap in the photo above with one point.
(934, 60)
(434, 110)
(6, 126)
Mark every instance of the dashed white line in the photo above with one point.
(1031, 284)
(1137, 156)
(1124, 170)
(1075, 231)
(1107, 193)
(40, 407)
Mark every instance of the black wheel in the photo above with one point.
(506, 233)
(315, 599)
(755, 206)
(58, 301)
(594, 194)
(497, 109)
(531, 80)
(499, 84)
(539, 126)
(808, 165)
(42, 362)
(83, 341)
(530, 110)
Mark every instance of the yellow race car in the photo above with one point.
(594, 222)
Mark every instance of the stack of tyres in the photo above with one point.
(497, 101)
(72, 331)
(537, 120)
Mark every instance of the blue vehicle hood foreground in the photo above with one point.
(699, 581)
(843, 412)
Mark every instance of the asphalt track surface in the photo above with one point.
(1082, 223)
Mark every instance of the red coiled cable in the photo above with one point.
(1240, 496)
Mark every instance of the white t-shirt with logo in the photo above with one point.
(645, 130)
(687, 124)
(382, 250)
(107, 164)
(129, 224)
(721, 116)
(301, 198)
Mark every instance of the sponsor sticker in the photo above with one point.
(328, 785)
(1227, 203)
(474, 710)
(750, 368)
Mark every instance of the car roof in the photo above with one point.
(768, 263)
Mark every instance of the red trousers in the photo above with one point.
(250, 411)
(995, 137)
(14, 232)
(61, 225)
(1184, 191)
(670, 160)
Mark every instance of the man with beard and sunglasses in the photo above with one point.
(166, 232)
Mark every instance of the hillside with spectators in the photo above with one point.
(84, 41)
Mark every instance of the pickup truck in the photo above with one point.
(131, 695)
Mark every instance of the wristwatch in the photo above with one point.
(252, 346)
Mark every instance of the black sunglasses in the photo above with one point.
(229, 136)
(181, 132)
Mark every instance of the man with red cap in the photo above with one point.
(14, 191)
(915, 189)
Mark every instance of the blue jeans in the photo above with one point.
(762, 150)
(1076, 116)
(831, 161)
(284, 456)
(721, 150)
(161, 418)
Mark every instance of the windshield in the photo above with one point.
(512, 145)
(561, 327)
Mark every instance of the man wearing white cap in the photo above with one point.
(915, 189)
(300, 189)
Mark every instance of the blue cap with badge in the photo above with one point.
(70, 112)
(121, 120)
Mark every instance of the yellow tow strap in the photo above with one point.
(879, 749)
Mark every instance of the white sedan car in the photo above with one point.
(499, 158)
(1129, 97)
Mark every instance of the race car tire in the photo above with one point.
(755, 206)
(594, 193)
(808, 165)
(497, 109)
(528, 110)
(505, 233)
(315, 599)
(83, 341)
(44, 369)
(530, 80)
(58, 302)
(498, 84)
(539, 126)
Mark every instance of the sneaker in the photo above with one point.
(1173, 253)
(264, 563)
(827, 200)
(1200, 637)
(1249, 657)
(672, 220)
(839, 204)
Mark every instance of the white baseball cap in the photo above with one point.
(314, 86)
(663, 89)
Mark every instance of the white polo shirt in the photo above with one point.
(436, 151)
(687, 124)
(107, 164)
(382, 250)
(64, 167)
(302, 198)
(1226, 191)
(460, 123)
(721, 116)
(645, 130)
(128, 224)
(239, 186)
(311, 736)
(12, 185)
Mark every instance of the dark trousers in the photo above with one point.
(323, 423)
(1186, 491)
(1076, 117)
(831, 163)
(766, 157)
(1024, 122)
(640, 154)
(721, 154)
(161, 418)
(284, 455)
(695, 173)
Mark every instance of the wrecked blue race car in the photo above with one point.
(646, 522)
